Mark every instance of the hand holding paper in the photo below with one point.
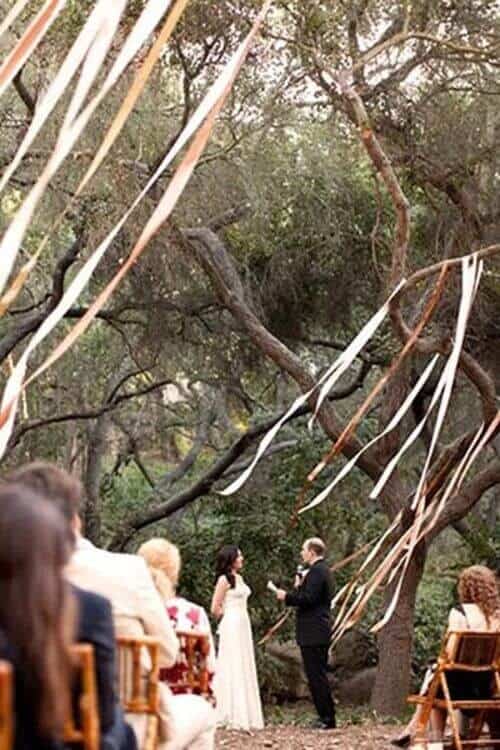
(280, 593)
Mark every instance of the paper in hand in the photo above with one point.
(271, 587)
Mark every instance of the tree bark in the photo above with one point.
(91, 515)
(395, 643)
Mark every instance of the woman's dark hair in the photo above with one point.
(36, 605)
(224, 563)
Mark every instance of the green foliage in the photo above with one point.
(434, 601)
(295, 247)
(301, 714)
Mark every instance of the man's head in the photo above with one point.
(312, 549)
(62, 489)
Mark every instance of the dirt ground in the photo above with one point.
(362, 737)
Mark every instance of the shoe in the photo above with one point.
(404, 740)
(319, 724)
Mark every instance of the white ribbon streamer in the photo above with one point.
(12, 15)
(448, 373)
(28, 42)
(207, 110)
(470, 271)
(58, 86)
(91, 46)
(329, 379)
(93, 43)
(396, 419)
(347, 357)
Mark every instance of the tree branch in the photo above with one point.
(28, 100)
(217, 262)
(460, 504)
(220, 468)
(483, 382)
(383, 166)
(88, 414)
(29, 323)
(171, 477)
(229, 217)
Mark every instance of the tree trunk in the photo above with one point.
(395, 642)
(91, 515)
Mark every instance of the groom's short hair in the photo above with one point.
(317, 545)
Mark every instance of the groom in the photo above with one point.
(312, 596)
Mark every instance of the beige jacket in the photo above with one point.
(125, 580)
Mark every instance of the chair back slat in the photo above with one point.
(138, 674)
(82, 727)
(473, 650)
(6, 707)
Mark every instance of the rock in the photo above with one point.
(357, 689)
(355, 652)
(353, 667)
(351, 664)
(293, 677)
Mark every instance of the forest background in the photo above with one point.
(288, 238)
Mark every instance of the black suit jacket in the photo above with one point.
(95, 626)
(312, 600)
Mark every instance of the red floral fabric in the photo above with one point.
(186, 616)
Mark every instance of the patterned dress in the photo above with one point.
(187, 617)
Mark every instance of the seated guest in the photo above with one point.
(93, 624)
(479, 610)
(186, 721)
(164, 561)
(37, 616)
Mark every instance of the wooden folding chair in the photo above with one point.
(83, 728)
(191, 668)
(474, 653)
(6, 707)
(138, 678)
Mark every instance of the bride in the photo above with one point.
(235, 684)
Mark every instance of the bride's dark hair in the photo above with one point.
(224, 563)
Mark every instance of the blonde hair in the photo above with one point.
(164, 561)
(478, 585)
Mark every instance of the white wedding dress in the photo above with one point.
(235, 683)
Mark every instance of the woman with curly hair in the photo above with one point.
(479, 610)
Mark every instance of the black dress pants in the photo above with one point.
(315, 659)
